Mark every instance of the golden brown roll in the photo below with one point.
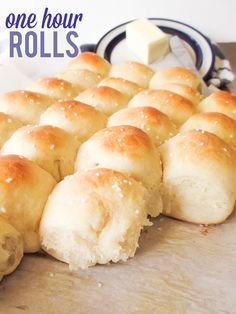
(94, 217)
(24, 105)
(189, 93)
(55, 87)
(133, 71)
(106, 99)
(176, 107)
(80, 77)
(24, 189)
(78, 119)
(214, 122)
(178, 75)
(220, 101)
(152, 121)
(126, 149)
(50, 147)
(11, 248)
(199, 177)
(8, 126)
(90, 61)
(128, 88)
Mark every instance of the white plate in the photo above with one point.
(113, 47)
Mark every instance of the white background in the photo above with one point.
(215, 18)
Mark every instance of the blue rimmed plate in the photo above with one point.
(112, 45)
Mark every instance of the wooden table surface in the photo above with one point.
(179, 268)
(229, 50)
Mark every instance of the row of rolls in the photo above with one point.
(88, 156)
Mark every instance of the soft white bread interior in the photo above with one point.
(199, 178)
(55, 87)
(133, 71)
(94, 217)
(50, 147)
(175, 75)
(186, 91)
(176, 107)
(126, 149)
(214, 122)
(8, 126)
(128, 88)
(24, 190)
(11, 248)
(90, 61)
(80, 77)
(152, 121)
(24, 105)
(78, 119)
(106, 99)
(220, 101)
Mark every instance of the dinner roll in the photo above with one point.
(189, 93)
(8, 125)
(220, 101)
(214, 122)
(78, 119)
(55, 87)
(90, 61)
(50, 147)
(94, 217)
(132, 71)
(152, 121)
(24, 105)
(126, 87)
(11, 248)
(106, 99)
(81, 77)
(24, 189)
(176, 107)
(126, 149)
(199, 177)
(175, 75)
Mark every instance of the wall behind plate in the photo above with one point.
(215, 18)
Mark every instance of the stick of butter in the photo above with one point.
(146, 40)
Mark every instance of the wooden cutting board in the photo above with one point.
(179, 268)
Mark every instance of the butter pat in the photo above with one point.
(146, 40)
